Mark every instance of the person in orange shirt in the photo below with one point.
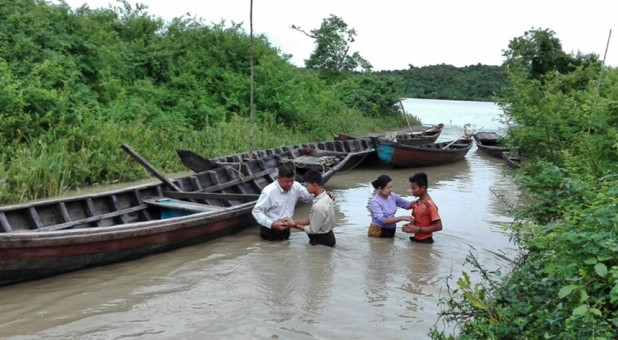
(424, 210)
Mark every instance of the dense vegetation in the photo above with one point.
(76, 84)
(564, 113)
(474, 82)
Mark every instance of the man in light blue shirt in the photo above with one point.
(275, 207)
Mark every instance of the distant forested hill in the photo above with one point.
(474, 82)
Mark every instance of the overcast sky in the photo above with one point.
(393, 34)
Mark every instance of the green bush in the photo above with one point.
(76, 84)
(565, 283)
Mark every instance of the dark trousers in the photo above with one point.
(388, 233)
(425, 240)
(274, 235)
(327, 239)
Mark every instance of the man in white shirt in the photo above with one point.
(275, 207)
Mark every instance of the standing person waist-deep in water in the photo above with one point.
(319, 226)
(424, 210)
(274, 208)
(383, 207)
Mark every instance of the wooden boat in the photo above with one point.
(425, 136)
(344, 136)
(421, 137)
(50, 237)
(489, 143)
(514, 161)
(407, 156)
(321, 156)
(54, 236)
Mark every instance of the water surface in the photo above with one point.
(241, 287)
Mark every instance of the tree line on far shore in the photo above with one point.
(473, 82)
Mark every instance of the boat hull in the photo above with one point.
(420, 137)
(33, 255)
(349, 154)
(489, 143)
(408, 156)
(514, 161)
(51, 237)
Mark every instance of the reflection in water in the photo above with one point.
(380, 268)
(242, 287)
(286, 278)
(317, 281)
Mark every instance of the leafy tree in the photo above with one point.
(332, 51)
(374, 96)
(538, 52)
(565, 283)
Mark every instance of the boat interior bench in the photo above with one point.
(174, 208)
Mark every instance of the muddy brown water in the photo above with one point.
(240, 287)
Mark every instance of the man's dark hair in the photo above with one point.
(420, 179)
(287, 170)
(313, 177)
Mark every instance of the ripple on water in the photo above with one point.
(241, 287)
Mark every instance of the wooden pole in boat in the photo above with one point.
(149, 167)
(405, 115)
(453, 142)
(468, 133)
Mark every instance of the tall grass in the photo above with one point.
(91, 155)
(37, 171)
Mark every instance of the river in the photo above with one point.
(240, 287)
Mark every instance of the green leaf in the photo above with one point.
(605, 258)
(591, 260)
(596, 312)
(566, 290)
(474, 301)
(601, 269)
(464, 282)
(613, 294)
(581, 310)
(583, 295)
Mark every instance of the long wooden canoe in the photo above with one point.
(514, 161)
(407, 156)
(489, 143)
(45, 238)
(326, 157)
(421, 137)
(424, 136)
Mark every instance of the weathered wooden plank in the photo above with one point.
(183, 205)
(233, 182)
(35, 217)
(196, 183)
(122, 217)
(140, 201)
(93, 218)
(91, 212)
(149, 167)
(211, 195)
(64, 212)
(5, 223)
